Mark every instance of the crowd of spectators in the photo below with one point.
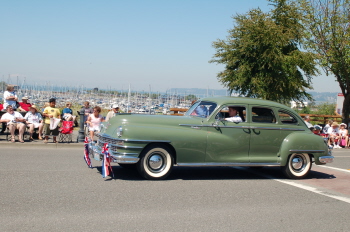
(336, 135)
(17, 116)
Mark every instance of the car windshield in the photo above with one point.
(201, 109)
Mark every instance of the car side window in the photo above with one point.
(263, 115)
(202, 109)
(286, 117)
(232, 113)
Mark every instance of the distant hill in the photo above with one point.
(319, 97)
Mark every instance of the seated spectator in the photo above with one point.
(34, 120)
(68, 113)
(333, 133)
(113, 112)
(24, 105)
(14, 121)
(10, 97)
(307, 122)
(94, 121)
(343, 133)
(317, 130)
(233, 113)
(327, 126)
(51, 112)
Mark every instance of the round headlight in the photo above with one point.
(120, 131)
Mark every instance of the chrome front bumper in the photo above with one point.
(96, 153)
(326, 159)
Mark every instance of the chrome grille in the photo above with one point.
(104, 139)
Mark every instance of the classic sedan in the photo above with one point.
(215, 131)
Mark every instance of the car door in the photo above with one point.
(228, 142)
(266, 139)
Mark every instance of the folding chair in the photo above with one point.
(66, 132)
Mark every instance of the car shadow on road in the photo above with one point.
(210, 173)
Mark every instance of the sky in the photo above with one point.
(110, 44)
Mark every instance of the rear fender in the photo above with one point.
(298, 142)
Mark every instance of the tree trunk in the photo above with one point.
(346, 108)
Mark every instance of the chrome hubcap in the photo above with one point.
(156, 162)
(298, 163)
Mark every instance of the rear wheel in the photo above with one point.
(156, 162)
(298, 166)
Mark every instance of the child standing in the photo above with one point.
(51, 112)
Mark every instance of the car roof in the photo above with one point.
(243, 100)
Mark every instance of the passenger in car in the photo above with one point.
(233, 113)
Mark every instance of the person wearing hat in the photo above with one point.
(34, 120)
(317, 130)
(24, 105)
(343, 133)
(333, 133)
(113, 112)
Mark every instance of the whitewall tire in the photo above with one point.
(298, 166)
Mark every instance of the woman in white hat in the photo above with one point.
(34, 120)
(343, 133)
(333, 133)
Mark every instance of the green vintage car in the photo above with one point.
(215, 131)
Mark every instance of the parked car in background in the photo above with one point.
(267, 134)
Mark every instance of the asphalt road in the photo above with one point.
(49, 188)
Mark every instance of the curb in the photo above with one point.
(40, 144)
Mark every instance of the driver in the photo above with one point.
(233, 113)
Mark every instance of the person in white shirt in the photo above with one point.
(307, 121)
(34, 120)
(14, 121)
(327, 126)
(112, 113)
(333, 133)
(10, 97)
(233, 113)
(343, 135)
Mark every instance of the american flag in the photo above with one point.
(106, 162)
(86, 152)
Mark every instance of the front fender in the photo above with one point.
(299, 142)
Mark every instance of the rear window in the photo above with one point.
(263, 115)
(286, 117)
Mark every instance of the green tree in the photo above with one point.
(191, 97)
(328, 24)
(262, 55)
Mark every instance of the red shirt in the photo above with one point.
(1, 106)
(25, 106)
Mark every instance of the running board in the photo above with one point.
(229, 164)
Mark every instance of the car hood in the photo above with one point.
(139, 120)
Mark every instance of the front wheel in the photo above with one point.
(156, 162)
(298, 166)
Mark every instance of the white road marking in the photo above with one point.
(301, 186)
(338, 169)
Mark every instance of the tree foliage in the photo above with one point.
(262, 55)
(328, 24)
